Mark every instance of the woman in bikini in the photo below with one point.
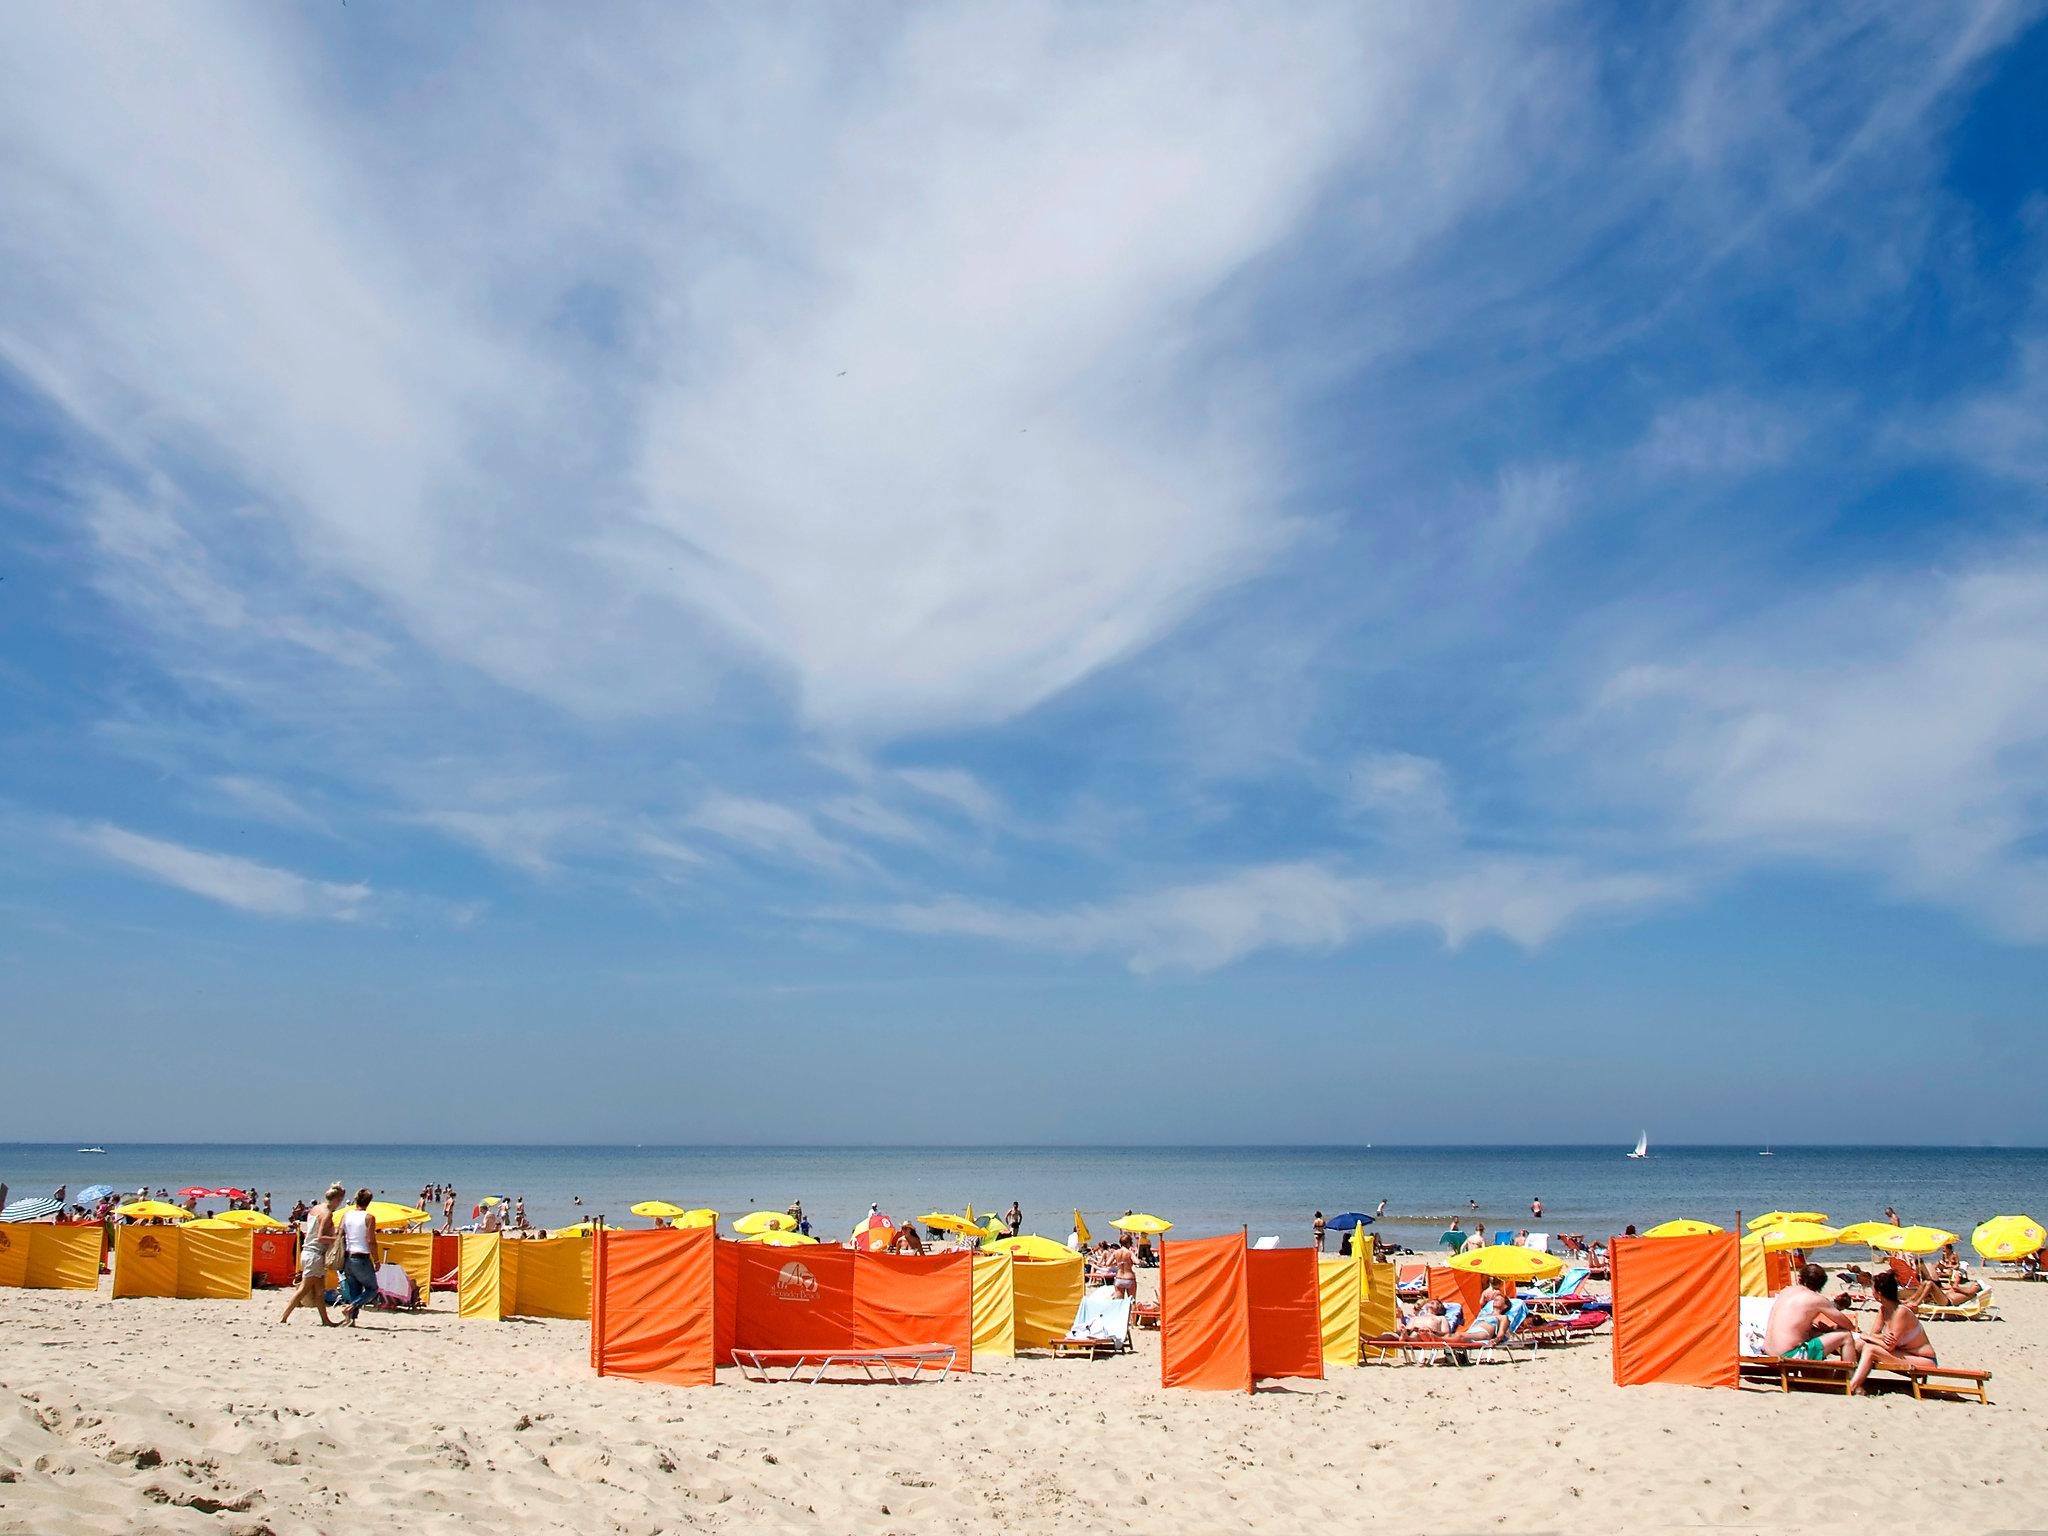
(1899, 1340)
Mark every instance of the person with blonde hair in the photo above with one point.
(315, 1241)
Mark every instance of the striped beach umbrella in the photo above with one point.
(36, 1208)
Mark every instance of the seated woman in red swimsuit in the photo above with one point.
(1899, 1340)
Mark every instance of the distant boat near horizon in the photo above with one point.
(1642, 1146)
(102, 1151)
(1767, 1152)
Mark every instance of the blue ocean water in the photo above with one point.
(1593, 1190)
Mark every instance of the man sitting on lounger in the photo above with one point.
(1804, 1324)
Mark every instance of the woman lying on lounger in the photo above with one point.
(1899, 1340)
(1491, 1325)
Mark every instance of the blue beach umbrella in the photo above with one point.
(93, 1192)
(1348, 1220)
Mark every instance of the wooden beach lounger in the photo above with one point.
(1388, 1346)
(1921, 1380)
(1101, 1327)
(900, 1366)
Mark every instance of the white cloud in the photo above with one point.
(1409, 793)
(266, 802)
(234, 882)
(1718, 435)
(1302, 906)
(524, 837)
(779, 831)
(957, 789)
(1901, 727)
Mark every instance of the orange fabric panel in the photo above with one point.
(794, 1298)
(14, 1247)
(1204, 1327)
(1778, 1272)
(1282, 1297)
(905, 1299)
(652, 1302)
(447, 1254)
(275, 1257)
(725, 1292)
(1677, 1309)
(1462, 1286)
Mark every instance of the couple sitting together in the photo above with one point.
(1430, 1320)
(1805, 1325)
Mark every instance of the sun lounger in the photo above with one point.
(1434, 1351)
(900, 1366)
(1977, 1306)
(1146, 1314)
(1411, 1279)
(1569, 1286)
(1921, 1380)
(1101, 1327)
(395, 1290)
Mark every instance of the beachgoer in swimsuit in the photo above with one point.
(1899, 1340)
(1804, 1324)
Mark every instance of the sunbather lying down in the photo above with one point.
(1491, 1325)
(1426, 1320)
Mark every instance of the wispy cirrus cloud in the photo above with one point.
(243, 884)
(1313, 906)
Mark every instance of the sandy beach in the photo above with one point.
(182, 1416)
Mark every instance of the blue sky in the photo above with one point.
(1364, 574)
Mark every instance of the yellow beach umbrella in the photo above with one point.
(1866, 1233)
(1031, 1246)
(1915, 1240)
(782, 1240)
(1504, 1261)
(754, 1223)
(580, 1229)
(946, 1221)
(661, 1210)
(211, 1224)
(2008, 1237)
(391, 1215)
(152, 1210)
(256, 1220)
(701, 1217)
(1780, 1218)
(1796, 1234)
(1141, 1223)
(1683, 1226)
(1081, 1229)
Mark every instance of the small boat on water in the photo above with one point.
(1767, 1152)
(100, 1151)
(1642, 1146)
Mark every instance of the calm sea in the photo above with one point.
(1595, 1190)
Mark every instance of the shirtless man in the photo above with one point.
(1899, 1340)
(1804, 1324)
(1427, 1321)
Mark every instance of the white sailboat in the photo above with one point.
(1642, 1146)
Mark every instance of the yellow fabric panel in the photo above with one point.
(1754, 1282)
(146, 1260)
(413, 1253)
(552, 1277)
(1377, 1311)
(64, 1259)
(478, 1274)
(1046, 1294)
(995, 1307)
(15, 1240)
(214, 1266)
(1339, 1284)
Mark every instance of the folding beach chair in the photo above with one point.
(1101, 1327)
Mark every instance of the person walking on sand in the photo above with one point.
(358, 1260)
(317, 1238)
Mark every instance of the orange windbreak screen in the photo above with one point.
(1448, 1285)
(905, 1299)
(1282, 1295)
(1204, 1332)
(795, 1298)
(1677, 1306)
(725, 1284)
(651, 1312)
